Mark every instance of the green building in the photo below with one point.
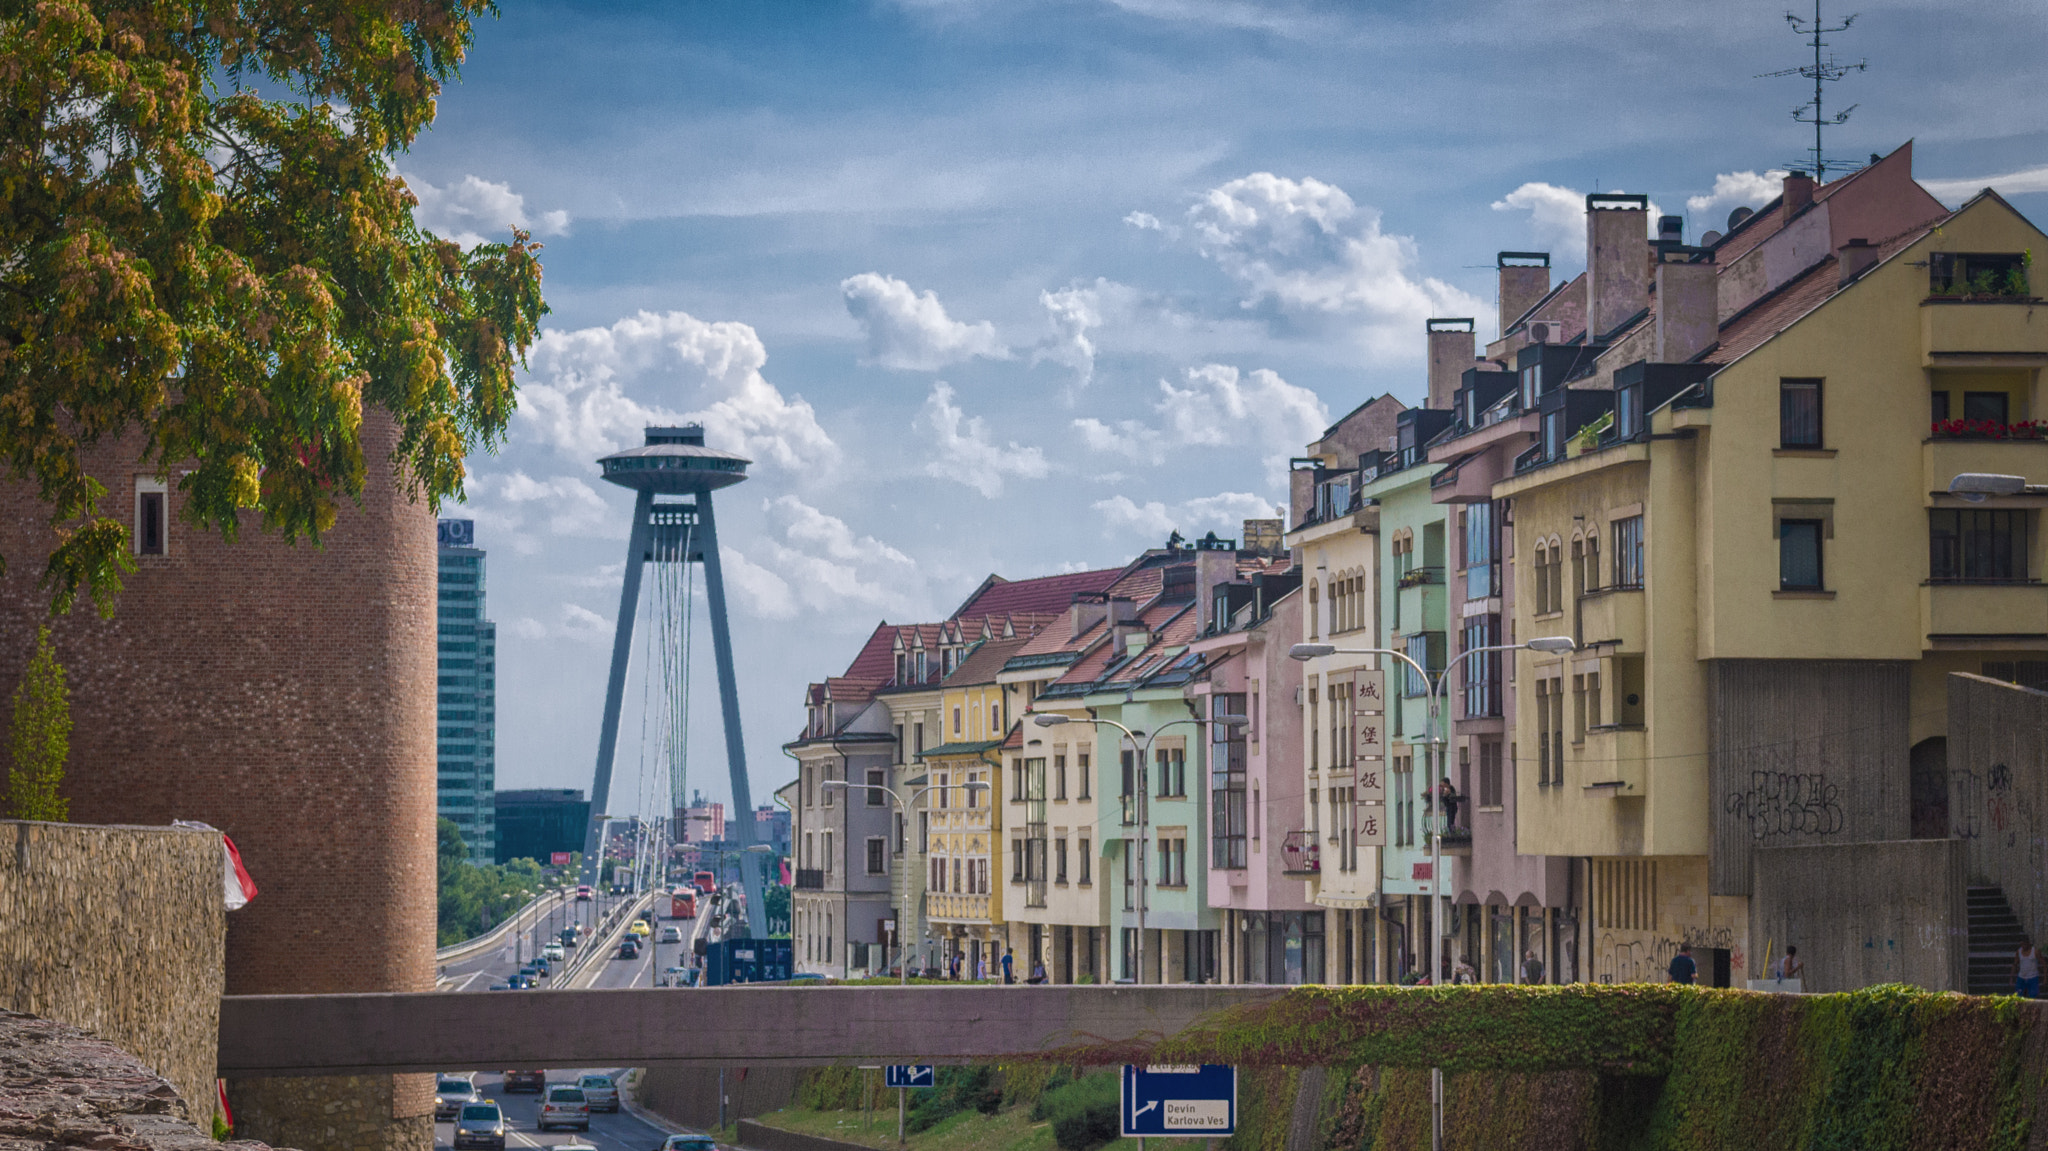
(467, 709)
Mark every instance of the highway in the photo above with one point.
(608, 1132)
(480, 972)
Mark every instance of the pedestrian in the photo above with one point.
(1532, 968)
(1009, 963)
(2026, 972)
(1465, 972)
(980, 969)
(1038, 972)
(1450, 798)
(1683, 969)
(1789, 965)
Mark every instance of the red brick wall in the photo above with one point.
(283, 693)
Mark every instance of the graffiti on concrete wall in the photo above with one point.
(1640, 957)
(1986, 801)
(1782, 803)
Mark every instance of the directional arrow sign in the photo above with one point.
(912, 1075)
(1180, 1100)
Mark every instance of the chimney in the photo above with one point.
(1855, 257)
(1798, 193)
(1263, 536)
(1687, 312)
(1452, 345)
(1086, 610)
(1617, 260)
(1671, 229)
(1522, 283)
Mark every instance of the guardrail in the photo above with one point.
(599, 945)
(522, 919)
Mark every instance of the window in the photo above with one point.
(1939, 407)
(956, 723)
(1542, 572)
(1489, 775)
(924, 833)
(1799, 555)
(152, 522)
(1528, 383)
(1130, 880)
(1593, 561)
(1059, 776)
(1227, 763)
(940, 787)
(1016, 861)
(1977, 273)
(1799, 414)
(1059, 859)
(973, 793)
(1553, 435)
(829, 869)
(1173, 862)
(1081, 767)
(1578, 710)
(1481, 672)
(1628, 552)
(901, 845)
(1479, 551)
(876, 796)
(1578, 568)
(1173, 771)
(1087, 862)
(1978, 544)
(1018, 790)
(917, 740)
(878, 857)
(1557, 732)
(899, 745)
(1992, 406)
(1628, 411)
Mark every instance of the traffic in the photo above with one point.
(572, 1110)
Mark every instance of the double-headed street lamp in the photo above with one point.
(1143, 745)
(1433, 739)
(904, 939)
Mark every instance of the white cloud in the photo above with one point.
(1304, 248)
(1071, 313)
(963, 451)
(811, 561)
(1731, 189)
(1147, 222)
(2011, 184)
(569, 505)
(760, 592)
(805, 525)
(1558, 217)
(591, 391)
(1218, 407)
(911, 331)
(573, 622)
(474, 210)
(1223, 513)
(1130, 438)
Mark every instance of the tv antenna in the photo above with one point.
(1824, 70)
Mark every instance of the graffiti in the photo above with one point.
(1633, 957)
(1787, 803)
(1715, 938)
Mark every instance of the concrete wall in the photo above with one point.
(1998, 788)
(119, 931)
(687, 1096)
(1865, 913)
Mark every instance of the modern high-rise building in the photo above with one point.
(467, 718)
(535, 824)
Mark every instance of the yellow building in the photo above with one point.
(964, 881)
(1738, 506)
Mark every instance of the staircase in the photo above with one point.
(1995, 934)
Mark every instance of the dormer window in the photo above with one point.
(1628, 412)
(920, 665)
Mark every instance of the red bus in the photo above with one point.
(706, 882)
(682, 905)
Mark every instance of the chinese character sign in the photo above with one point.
(1372, 825)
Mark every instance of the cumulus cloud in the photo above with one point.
(2011, 184)
(1070, 314)
(1147, 222)
(760, 592)
(963, 451)
(1224, 513)
(1217, 406)
(473, 210)
(1303, 248)
(811, 561)
(911, 331)
(1732, 189)
(566, 505)
(1557, 216)
(572, 622)
(591, 391)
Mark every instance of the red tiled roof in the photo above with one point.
(1055, 638)
(876, 659)
(1089, 667)
(998, 596)
(1140, 585)
(982, 664)
(1748, 329)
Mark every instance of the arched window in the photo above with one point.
(1542, 578)
(1593, 559)
(1578, 566)
(1314, 616)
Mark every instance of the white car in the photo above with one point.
(564, 1106)
(600, 1092)
(671, 935)
(554, 952)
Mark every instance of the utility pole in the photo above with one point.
(1824, 70)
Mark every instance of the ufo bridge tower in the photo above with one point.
(675, 463)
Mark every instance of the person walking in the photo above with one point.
(1009, 966)
(1532, 968)
(1683, 969)
(2026, 972)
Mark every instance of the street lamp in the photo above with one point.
(903, 939)
(1141, 782)
(1434, 741)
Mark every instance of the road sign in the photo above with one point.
(1180, 1100)
(912, 1075)
(558, 858)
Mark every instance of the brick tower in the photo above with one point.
(285, 694)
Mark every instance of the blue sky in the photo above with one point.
(1021, 285)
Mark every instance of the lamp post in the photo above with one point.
(1143, 743)
(1434, 741)
(903, 938)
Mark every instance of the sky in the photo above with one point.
(1022, 286)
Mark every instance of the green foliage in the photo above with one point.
(40, 741)
(1083, 1112)
(221, 1131)
(232, 278)
(834, 1088)
(973, 1088)
(472, 899)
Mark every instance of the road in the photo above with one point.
(479, 972)
(608, 1132)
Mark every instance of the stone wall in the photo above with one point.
(1866, 913)
(119, 931)
(333, 1112)
(687, 1095)
(1998, 790)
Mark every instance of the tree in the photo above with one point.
(232, 276)
(40, 741)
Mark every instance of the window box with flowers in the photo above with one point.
(1990, 430)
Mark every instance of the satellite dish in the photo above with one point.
(1710, 239)
(1736, 217)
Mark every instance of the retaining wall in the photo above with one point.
(1862, 914)
(119, 931)
(1998, 789)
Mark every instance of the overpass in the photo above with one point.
(280, 1035)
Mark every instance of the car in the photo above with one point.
(583, 893)
(564, 1106)
(600, 1092)
(675, 976)
(450, 1093)
(480, 1125)
(525, 1081)
(568, 937)
(518, 983)
(553, 952)
(675, 934)
(638, 929)
(530, 972)
(629, 948)
(503, 987)
(543, 967)
(689, 1143)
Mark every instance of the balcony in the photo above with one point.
(1970, 613)
(1610, 762)
(1300, 855)
(810, 879)
(1944, 457)
(948, 906)
(1988, 332)
(1613, 616)
(1422, 601)
(1457, 840)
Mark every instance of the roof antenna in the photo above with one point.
(1825, 69)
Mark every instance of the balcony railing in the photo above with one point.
(810, 879)
(1418, 577)
(1301, 854)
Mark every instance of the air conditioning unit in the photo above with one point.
(1546, 332)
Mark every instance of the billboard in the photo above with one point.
(458, 533)
(559, 858)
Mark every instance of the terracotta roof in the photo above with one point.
(1015, 740)
(982, 664)
(998, 596)
(1088, 668)
(1140, 585)
(1782, 307)
(875, 660)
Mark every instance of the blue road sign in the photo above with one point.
(1180, 1100)
(912, 1075)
